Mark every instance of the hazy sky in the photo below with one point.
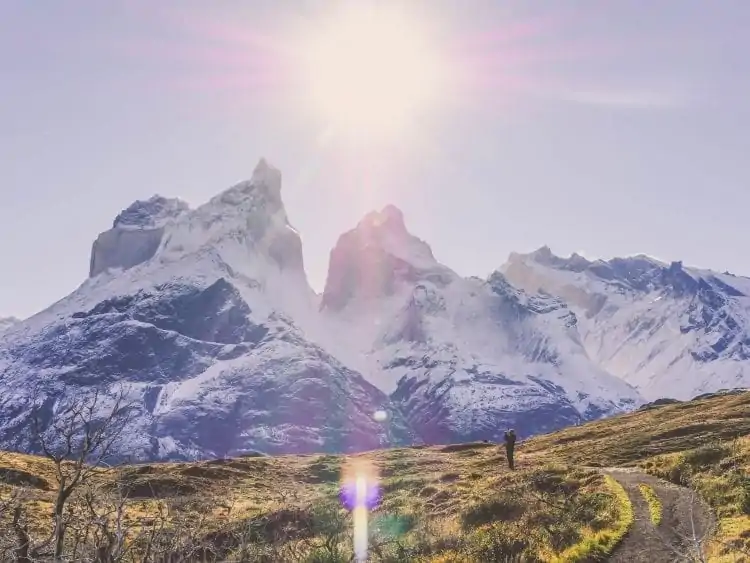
(607, 128)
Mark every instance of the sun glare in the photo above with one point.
(370, 70)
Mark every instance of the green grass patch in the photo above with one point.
(598, 545)
(654, 504)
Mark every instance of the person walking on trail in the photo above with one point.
(510, 444)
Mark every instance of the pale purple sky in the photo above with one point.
(608, 128)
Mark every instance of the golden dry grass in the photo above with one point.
(450, 504)
(437, 503)
(700, 444)
(628, 439)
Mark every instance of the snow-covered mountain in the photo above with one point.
(463, 358)
(206, 317)
(135, 235)
(8, 322)
(669, 330)
(203, 334)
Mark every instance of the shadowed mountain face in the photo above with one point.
(206, 318)
(135, 235)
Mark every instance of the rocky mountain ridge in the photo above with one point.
(667, 329)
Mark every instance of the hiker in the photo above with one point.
(510, 444)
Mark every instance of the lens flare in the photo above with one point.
(380, 416)
(371, 68)
(360, 519)
(360, 494)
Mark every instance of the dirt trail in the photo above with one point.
(685, 521)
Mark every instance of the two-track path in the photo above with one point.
(685, 521)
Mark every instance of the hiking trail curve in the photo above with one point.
(685, 526)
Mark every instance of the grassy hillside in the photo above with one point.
(440, 504)
(454, 503)
(629, 439)
(702, 444)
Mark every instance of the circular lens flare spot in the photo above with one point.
(360, 491)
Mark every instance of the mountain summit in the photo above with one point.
(135, 235)
(376, 259)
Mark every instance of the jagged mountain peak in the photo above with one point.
(376, 258)
(263, 187)
(390, 217)
(545, 255)
(151, 213)
(669, 329)
(244, 224)
(387, 231)
(267, 170)
(242, 231)
(639, 272)
(250, 213)
(136, 234)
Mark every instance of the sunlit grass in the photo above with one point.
(434, 504)
(445, 504)
(654, 504)
(598, 544)
(719, 472)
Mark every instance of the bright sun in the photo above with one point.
(370, 71)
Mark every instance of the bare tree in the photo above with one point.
(79, 438)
